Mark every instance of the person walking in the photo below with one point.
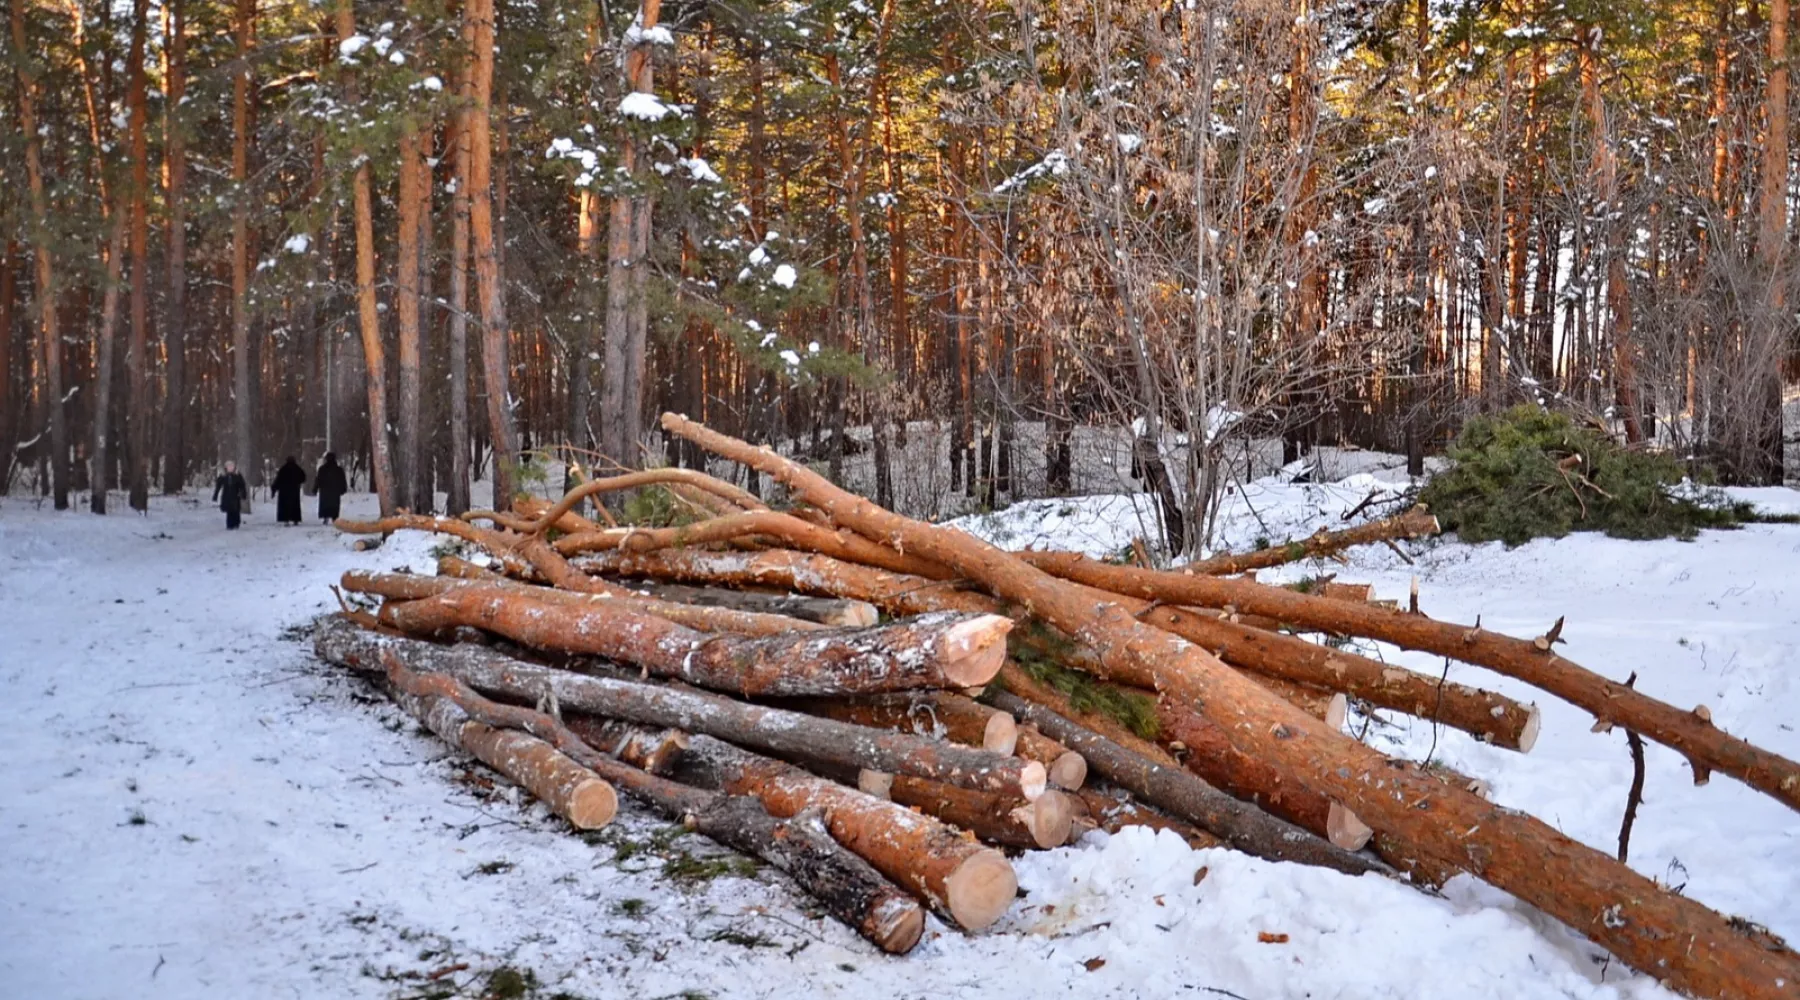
(331, 486)
(231, 493)
(288, 481)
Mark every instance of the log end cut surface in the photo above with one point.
(981, 889)
(1034, 778)
(1534, 720)
(896, 924)
(1345, 830)
(1069, 771)
(973, 651)
(592, 805)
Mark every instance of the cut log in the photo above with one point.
(831, 611)
(1485, 715)
(970, 884)
(1415, 523)
(930, 651)
(771, 730)
(851, 890)
(1670, 937)
(1613, 703)
(1188, 797)
(1066, 768)
(939, 715)
(801, 846)
(412, 587)
(1040, 823)
(1112, 810)
(496, 543)
(571, 791)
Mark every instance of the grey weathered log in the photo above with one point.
(833, 611)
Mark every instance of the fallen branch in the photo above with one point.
(1415, 523)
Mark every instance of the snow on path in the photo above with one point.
(191, 806)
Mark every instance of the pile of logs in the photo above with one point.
(886, 709)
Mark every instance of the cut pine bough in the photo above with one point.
(1669, 937)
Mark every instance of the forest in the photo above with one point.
(909, 240)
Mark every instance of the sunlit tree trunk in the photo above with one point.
(478, 26)
(1771, 239)
(51, 342)
(374, 354)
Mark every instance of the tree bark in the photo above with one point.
(42, 240)
(1185, 796)
(831, 611)
(936, 715)
(406, 307)
(1647, 927)
(930, 651)
(1415, 523)
(503, 435)
(374, 353)
(967, 883)
(137, 365)
(627, 251)
(1765, 411)
(1691, 733)
(175, 298)
(457, 495)
(244, 31)
(768, 730)
(569, 789)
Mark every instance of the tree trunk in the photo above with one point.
(457, 495)
(969, 884)
(137, 364)
(374, 353)
(503, 437)
(42, 240)
(175, 299)
(1707, 747)
(823, 610)
(410, 207)
(936, 715)
(1647, 927)
(1613, 242)
(1764, 412)
(244, 442)
(769, 730)
(569, 789)
(1185, 796)
(99, 456)
(930, 651)
(628, 245)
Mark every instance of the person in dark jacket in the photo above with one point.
(331, 486)
(229, 492)
(288, 481)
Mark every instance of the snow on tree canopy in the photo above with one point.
(297, 243)
(349, 47)
(644, 107)
(658, 35)
(784, 276)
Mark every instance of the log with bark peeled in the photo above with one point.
(930, 651)
(412, 587)
(1670, 937)
(970, 884)
(1484, 714)
(833, 611)
(1706, 747)
(1188, 797)
(771, 730)
(938, 715)
(849, 887)
(1415, 523)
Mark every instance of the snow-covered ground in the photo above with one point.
(191, 806)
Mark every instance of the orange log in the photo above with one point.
(1668, 936)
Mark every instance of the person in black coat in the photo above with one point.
(288, 481)
(229, 492)
(331, 486)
